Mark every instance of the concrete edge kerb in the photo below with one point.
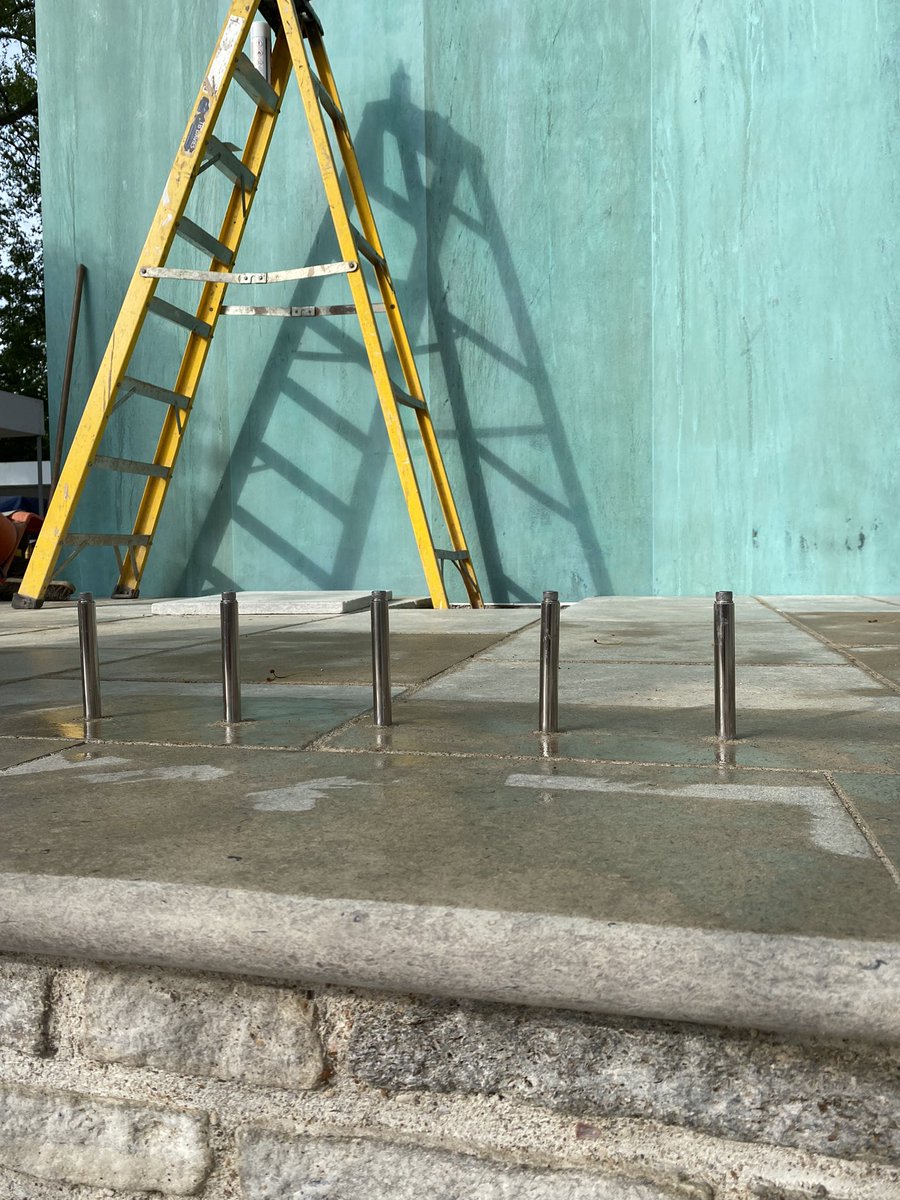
(813, 986)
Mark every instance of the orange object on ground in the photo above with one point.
(13, 527)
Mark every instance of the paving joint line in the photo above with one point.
(477, 656)
(309, 747)
(320, 743)
(656, 662)
(851, 658)
(865, 829)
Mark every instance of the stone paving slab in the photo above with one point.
(632, 821)
(304, 655)
(831, 688)
(51, 616)
(693, 848)
(799, 604)
(190, 714)
(438, 623)
(18, 750)
(851, 629)
(877, 800)
(56, 651)
(267, 603)
(771, 642)
(152, 633)
(816, 739)
(808, 985)
(698, 609)
(885, 663)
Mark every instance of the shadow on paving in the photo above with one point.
(806, 739)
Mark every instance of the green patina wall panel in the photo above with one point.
(646, 250)
(539, 257)
(775, 348)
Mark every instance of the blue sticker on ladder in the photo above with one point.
(193, 135)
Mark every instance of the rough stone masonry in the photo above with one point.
(120, 1081)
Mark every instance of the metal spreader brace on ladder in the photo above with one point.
(298, 39)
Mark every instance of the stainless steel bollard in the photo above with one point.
(231, 658)
(90, 658)
(381, 660)
(723, 649)
(548, 717)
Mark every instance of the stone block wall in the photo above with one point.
(119, 1081)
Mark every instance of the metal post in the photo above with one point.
(723, 648)
(231, 658)
(381, 660)
(90, 659)
(548, 717)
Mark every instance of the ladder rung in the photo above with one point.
(367, 250)
(170, 312)
(327, 103)
(130, 466)
(255, 85)
(107, 539)
(453, 555)
(225, 160)
(336, 268)
(310, 310)
(191, 232)
(175, 399)
(408, 401)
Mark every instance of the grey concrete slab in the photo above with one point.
(57, 652)
(34, 661)
(884, 661)
(812, 986)
(440, 622)
(152, 633)
(877, 800)
(461, 819)
(812, 739)
(639, 638)
(306, 654)
(267, 603)
(187, 714)
(855, 629)
(798, 604)
(831, 688)
(63, 614)
(14, 751)
(198, 639)
(691, 848)
(660, 608)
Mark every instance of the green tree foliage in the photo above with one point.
(22, 340)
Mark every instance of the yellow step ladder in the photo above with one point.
(298, 39)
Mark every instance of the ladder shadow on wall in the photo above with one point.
(418, 136)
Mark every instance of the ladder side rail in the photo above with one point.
(365, 313)
(369, 228)
(209, 308)
(397, 324)
(129, 322)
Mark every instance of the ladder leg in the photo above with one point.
(135, 305)
(295, 24)
(398, 331)
(194, 359)
(371, 247)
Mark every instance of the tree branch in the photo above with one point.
(25, 109)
